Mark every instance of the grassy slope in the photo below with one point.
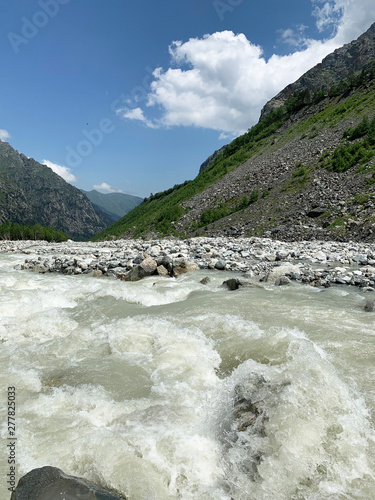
(157, 213)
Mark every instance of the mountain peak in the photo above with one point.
(338, 65)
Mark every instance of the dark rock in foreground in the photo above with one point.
(50, 483)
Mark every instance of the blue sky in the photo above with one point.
(133, 95)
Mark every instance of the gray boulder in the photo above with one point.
(220, 265)
(50, 483)
(146, 268)
(232, 284)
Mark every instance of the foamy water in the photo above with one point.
(132, 385)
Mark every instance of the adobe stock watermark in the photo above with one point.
(94, 137)
(31, 27)
(223, 6)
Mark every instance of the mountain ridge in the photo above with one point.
(116, 205)
(31, 193)
(335, 67)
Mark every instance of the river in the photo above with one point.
(133, 385)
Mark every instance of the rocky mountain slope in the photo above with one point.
(116, 205)
(338, 66)
(306, 170)
(32, 193)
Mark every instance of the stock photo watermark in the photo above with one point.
(11, 440)
(31, 26)
(94, 137)
(223, 6)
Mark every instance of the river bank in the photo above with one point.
(261, 259)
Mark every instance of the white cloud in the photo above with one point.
(106, 187)
(135, 114)
(295, 37)
(4, 134)
(222, 81)
(61, 170)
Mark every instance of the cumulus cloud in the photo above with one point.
(4, 134)
(107, 188)
(227, 81)
(222, 80)
(61, 170)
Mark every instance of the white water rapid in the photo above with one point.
(133, 385)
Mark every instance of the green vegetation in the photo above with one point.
(212, 215)
(362, 198)
(300, 178)
(352, 153)
(14, 231)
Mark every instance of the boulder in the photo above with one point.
(220, 265)
(50, 483)
(280, 271)
(205, 280)
(183, 266)
(162, 271)
(146, 268)
(232, 284)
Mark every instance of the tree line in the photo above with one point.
(14, 231)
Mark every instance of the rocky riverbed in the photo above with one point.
(258, 259)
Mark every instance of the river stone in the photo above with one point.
(184, 266)
(149, 266)
(370, 306)
(232, 283)
(220, 265)
(205, 280)
(280, 271)
(40, 269)
(282, 281)
(50, 483)
(162, 271)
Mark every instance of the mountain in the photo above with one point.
(116, 205)
(338, 66)
(305, 171)
(32, 193)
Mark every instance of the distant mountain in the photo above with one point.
(32, 193)
(116, 205)
(305, 171)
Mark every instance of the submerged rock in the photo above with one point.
(370, 306)
(205, 280)
(232, 284)
(51, 483)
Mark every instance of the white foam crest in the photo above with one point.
(317, 437)
(153, 291)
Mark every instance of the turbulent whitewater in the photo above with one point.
(138, 386)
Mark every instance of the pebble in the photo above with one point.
(313, 262)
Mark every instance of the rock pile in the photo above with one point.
(315, 263)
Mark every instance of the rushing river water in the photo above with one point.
(132, 385)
